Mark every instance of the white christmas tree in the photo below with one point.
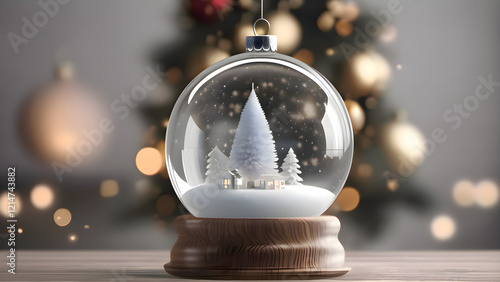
(290, 169)
(217, 165)
(253, 152)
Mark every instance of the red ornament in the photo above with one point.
(210, 11)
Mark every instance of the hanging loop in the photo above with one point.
(255, 23)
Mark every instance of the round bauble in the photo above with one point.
(366, 73)
(404, 146)
(356, 114)
(288, 30)
(57, 118)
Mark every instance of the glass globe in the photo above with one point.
(259, 135)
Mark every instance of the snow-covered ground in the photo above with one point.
(208, 200)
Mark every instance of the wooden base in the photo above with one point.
(274, 248)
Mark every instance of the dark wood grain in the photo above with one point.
(138, 266)
(279, 248)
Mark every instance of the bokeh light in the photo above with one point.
(343, 28)
(62, 217)
(86, 226)
(348, 199)
(392, 185)
(42, 196)
(109, 188)
(287, 28)
(463, 193)
(305, 56)
(20, 230)
(486, 194)
(73, 238)
(4, 203)
(443, 227)
(148, 161)
(365, 170)
(325, 21)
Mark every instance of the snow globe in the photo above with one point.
(257, 148)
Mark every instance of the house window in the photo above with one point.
(226, 183)
(270, 183)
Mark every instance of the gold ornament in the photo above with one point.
(367, 73)
(241, 31)
(204, 57)
(356, 114)
(59, 118)
(288, 29)
(404, 146)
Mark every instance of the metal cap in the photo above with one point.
(262, 43)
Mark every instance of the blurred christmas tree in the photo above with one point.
(340, 41)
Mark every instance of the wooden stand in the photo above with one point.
(282, 248)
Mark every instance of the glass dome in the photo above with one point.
(259, 135)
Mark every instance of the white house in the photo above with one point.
(233, 180)
(272, 181)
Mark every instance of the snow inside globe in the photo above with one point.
(259, 135)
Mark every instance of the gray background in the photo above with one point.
(443, 46)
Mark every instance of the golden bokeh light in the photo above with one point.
(42, 196)
(365, 170)
(392, 185)
(325, 21)
(20, 230)
(329, 52)
(343, 27)
(62, 217)
(109, 188)
(463, 193)
(86, 226)
(486, 194)
(165, 205)
(4, 205)
(287, 28)
(72, 238)
(148, 161)
(348, 199)
(305, 56)
(356, 114)
(443, 227)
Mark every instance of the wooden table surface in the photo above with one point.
(122, 266)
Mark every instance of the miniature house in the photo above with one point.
(236, 179)
(272, 182)
(226, 181)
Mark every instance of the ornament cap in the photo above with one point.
(262, 43)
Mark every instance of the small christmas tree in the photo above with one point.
(291, 169)
(217, 165)
(253, 152)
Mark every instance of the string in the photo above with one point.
(261, 8)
